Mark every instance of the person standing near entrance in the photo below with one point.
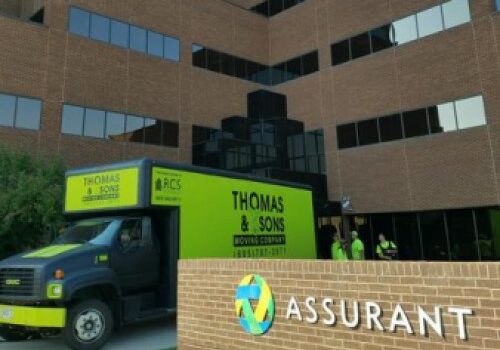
(357, 247)
(386, 250)
(338, 250)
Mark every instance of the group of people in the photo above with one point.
(341, 250)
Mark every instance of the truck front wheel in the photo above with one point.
(89, 325)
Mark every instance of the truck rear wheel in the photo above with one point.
(89, 325)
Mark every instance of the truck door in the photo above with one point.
(136, 259)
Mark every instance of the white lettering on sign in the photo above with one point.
(350, 315)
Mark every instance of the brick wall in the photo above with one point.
(207, 318)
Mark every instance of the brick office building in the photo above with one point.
(392, 103)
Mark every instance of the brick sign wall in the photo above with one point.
(414, 305)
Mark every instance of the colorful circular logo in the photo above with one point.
(255, 305)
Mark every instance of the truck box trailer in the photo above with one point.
(115, 262)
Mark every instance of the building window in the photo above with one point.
(390, 128)
(346, 136)
(269, 8)
(368, 132)
(20, 112)
(434, 238)
(497, 5)
(424, 23)
(462, 235)
(116, 126)
(408, 236)
(445, 117)
(470, 112)
(227, 64)
(104, 29)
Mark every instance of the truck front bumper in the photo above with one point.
(38, 317)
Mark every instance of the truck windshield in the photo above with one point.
(95, 231)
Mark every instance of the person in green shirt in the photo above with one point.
(357, 247)
(386, 250)
(338, 251)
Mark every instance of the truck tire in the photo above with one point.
(89, 325)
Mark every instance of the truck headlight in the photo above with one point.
(54, 291)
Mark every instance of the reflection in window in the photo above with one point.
(404, 30)
(115, 126)
(138, 39)
(28, 113)
(415, 123)
(155, 44)
(7, 110)
(79, 22)
(119, 34)
(381, 38)
(462, 235)
(408, 237)
(72, 120)
(470, 112)
(442, 118)
(430, 21)
(455, 13)
(94, 123)
(488, 232)
(99, 29)
(433, 231)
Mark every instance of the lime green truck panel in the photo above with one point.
(32, 316)
(236, 218)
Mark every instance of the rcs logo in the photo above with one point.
(166, 184)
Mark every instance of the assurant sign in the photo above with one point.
(352, 314)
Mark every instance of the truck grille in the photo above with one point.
(17, 282)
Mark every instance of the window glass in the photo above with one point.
(79, 22)
(310, 63)
(7, 110)
(227, 64)
(382, 224)
(408, 237)
(442, 118)
(134, 128)
(341, 52)
(199, 56)
(115, 126)
(28, 113)
(299, 164)
(381, 38)
(310, 141)
(404, 30)
(313, 164)
(155, 44)
(368, 132)
(99, 29)
(72, 120)
(360, 45)
(497, 5)
(152, 131)
(293, 69)
(119, 34)
(434, 242)
(278, 74)
(298, 145)
(289, 3)
(275, 7)
(252, 70)
(430, 21)
(346, 136)
(171, 48)
(94, 123)
(463, 244)
(488, 231)
(138, 39)
(391, 128)
(455, 13)
(263, 75)
(170, 133)
(213, 60)
(470, 112)
(415, 123)
(240, 66)
(262, 8)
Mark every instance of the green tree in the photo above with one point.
(31, 200)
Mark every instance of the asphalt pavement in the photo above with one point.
(153, 335)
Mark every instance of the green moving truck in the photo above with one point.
(116, 261)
